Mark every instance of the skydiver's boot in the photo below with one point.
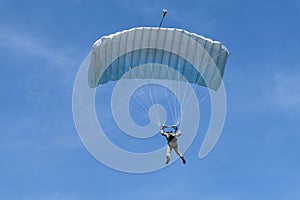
(183, 160)
(168, 159)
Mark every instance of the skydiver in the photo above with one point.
(172, 142)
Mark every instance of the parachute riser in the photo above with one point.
(174, 127)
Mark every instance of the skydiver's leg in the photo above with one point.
(179, 154)
(177, 151)
(168, 154)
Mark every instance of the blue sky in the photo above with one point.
(42, 44)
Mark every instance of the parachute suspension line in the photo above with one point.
(139, 106)
(144, 102)
(141, 102)
(188, 98)
(156, 98)
(176, 106)
(145, 106)
(183, 91)
(171, 99)
(205, 65)
(204, 93)
(153, 101)
(170, 107)
(171, 103)
(134, 106)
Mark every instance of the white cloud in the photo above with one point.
(48, 65)
(261, 91)
(286, 91)
(28, 45)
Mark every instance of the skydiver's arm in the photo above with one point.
(162, 132)
(178, 133)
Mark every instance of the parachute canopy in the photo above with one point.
(199, 60)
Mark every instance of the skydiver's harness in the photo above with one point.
(171, 137)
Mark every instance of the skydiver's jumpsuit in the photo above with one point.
(172, 144)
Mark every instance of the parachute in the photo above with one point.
(199, 60)
(154, 53)
(157, 75)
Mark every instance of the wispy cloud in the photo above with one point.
(31, 134)
(47, 66)
(285, 92)
(272, 90)
(25, 44)
(46, 79)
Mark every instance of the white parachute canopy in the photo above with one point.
(164, 54)
(200, 60)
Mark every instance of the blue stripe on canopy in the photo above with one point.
(133, 59)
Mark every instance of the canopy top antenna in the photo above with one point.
(164, 12)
